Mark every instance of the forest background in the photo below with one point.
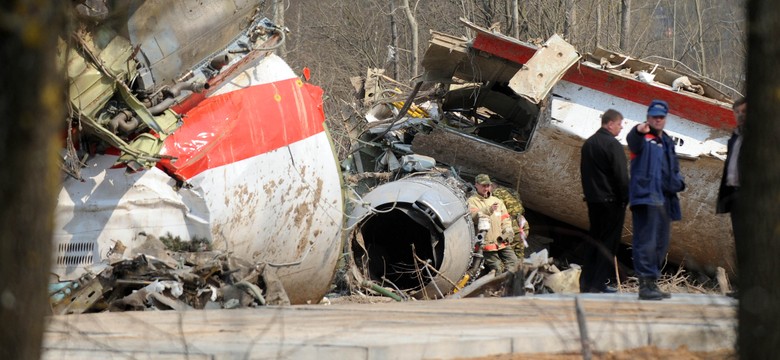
(339, 39)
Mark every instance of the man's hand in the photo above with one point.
(643, 128)
(508, 235)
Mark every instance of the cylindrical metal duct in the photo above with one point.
(403, 225)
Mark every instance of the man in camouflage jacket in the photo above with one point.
(516, 211)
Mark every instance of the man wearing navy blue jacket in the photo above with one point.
(655, 182)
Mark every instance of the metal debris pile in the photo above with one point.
(386, 121)
(542, 276)
(156, 278)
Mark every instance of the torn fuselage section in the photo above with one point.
(414, 234)
(490, 98)
(224, 142)
(132, 75)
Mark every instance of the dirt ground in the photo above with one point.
(681, 353)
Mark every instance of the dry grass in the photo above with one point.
(680, 282)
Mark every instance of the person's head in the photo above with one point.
(612, 120)
(656, 115)
(483, 184)
(740, 111)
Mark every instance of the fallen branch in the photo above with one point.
(428, 265)
(487, 280)
(372, 286)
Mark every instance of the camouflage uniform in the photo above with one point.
(515, 208)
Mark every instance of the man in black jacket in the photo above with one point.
(603, 167)
(729, 183)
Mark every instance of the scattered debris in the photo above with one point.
(170, 280)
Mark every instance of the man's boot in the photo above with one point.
(648, 290)
(665, 294)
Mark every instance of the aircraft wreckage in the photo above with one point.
(185, 128)
(496, 105)
(184, 125)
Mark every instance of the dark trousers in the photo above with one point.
(501, 260)
(606, 227)
(651, 239)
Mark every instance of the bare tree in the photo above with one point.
(393, 39)
(625, 23)
(279, 7)
(570, 20)
(515, 19)
(415, 37)
(674, 30)
(597, 5)
(31, 107)
(758, 213)
(700, 21)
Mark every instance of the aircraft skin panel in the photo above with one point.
(283, 206)
(544, 69)
(113, 205)
(251, 115)
(578, 109)
(176, 35)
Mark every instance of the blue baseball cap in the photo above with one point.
(658, 108)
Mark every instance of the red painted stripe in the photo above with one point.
(244, 123)
(687, 107)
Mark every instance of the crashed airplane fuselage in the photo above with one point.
(497, 125)
(185, 125)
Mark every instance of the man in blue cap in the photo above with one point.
(655, 182)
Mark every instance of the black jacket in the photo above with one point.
(604, 169)
(726, 194)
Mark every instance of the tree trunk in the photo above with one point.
(415, 37)
(394, 39)
(625, 24)
(515, 20)
(569, 22)
(279, 20)
(674, 33)
(597, 4)
(703, 56)
(758, 215)
(30, 112)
